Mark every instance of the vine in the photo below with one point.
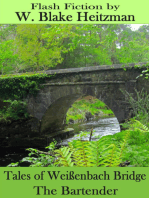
(145, 71)
(18, 87)
(14, 90)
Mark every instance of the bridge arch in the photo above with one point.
(52, 103)
(103, 82)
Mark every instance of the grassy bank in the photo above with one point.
(133, 143)
(88, 104)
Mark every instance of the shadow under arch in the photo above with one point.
(55, 116)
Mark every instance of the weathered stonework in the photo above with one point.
(103, 82)
(49, 107)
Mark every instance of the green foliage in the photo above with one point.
(139, 104)
(145, 72)
(15, 110)
(137, 125)
(7, 31)
(137, 155)
(134, 47)
(79, 154)
(40, 46)
(13, 164)
(40, 158)
(137, 144)
(92, 45)
(7, 57)
(105, 45)
(109, 151)
(34, 47)
(80, 107)
(14, 90)
(37, 47)
(63, 157)
(19, 86)
(137, 150)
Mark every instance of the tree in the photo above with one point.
(92, 45)
(7, 57)
(40, 46)
(134, 47)
(7, 32)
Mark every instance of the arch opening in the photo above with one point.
(56, 102)
(87, 108)
(89, 113)
(58, 114)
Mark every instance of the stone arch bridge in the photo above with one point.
(103, 82)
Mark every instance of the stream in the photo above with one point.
(101, 127)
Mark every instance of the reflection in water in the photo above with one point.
(102, 127)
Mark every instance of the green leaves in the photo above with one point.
(145, 72)
(80, 107)
(139, 103)
(16, 88)
(63, 157)
(33, 47)
(137, 125)
(40, 46)
(89, 154)
(7, 56)
(15, 110)
(43, 158)
(109, 151)
(78, 153)
(21, 86)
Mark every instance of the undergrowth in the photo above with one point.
(131, 144)
(15, 109)
(14, 89)
(94, 106)
(109, 151)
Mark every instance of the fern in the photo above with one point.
(97, 155)
(89, 154)
(81, 153)
(124, 143)
(63, 157)
(112, 159)
(141, 127)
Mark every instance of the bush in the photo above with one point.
(15, 110)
